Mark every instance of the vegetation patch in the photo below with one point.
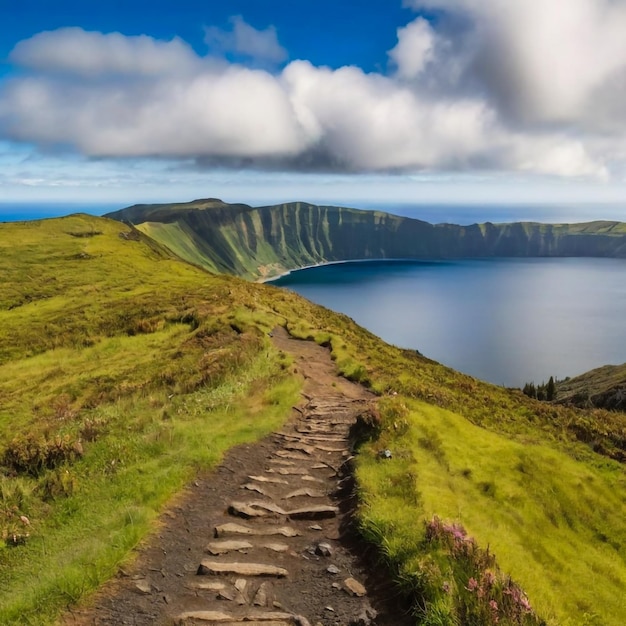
(544, 515)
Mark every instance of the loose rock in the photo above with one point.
(323, 549)
(354, 587)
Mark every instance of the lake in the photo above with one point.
(507, 321)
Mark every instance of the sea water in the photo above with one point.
(507, 321)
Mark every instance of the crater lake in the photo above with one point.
(507, 321)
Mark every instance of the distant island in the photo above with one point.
(263, 242)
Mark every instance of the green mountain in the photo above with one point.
(266, 241)
(125, 371)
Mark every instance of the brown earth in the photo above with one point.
(267, 538)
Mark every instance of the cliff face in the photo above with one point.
(265, 241)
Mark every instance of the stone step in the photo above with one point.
(275, 547)
(232, 529)
(229, 545)
(329, 448)
(289, 454)
(310, 479)
(267, 479)
(320, 511)
(302, 447)
(219, 568)
(283, 462)
(196, 617)
(322, 466)
(285, 435)
(257, 488)
(304, 491)
(288, 471)
(325, 438)
(252, 618)
(215, 548)
(343, 422)
(256, 508)
(330, 403)
(305, 442)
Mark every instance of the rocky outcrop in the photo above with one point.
(601, 388)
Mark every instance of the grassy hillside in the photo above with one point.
(266, 241)
(123, 371)
(603, 387)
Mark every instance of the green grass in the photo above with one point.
(156, 367)
(136, 370)
(555, 524)
(149, 449)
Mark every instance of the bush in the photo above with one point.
(33, 456)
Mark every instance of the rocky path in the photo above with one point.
(266, 539)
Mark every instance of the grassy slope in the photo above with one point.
(113, 343)
(158, 367)
(604, 386)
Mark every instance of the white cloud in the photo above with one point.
(517, 85)
(74, 50)
(415, 48)
(244, 39)
(541, 61)
(369, 122)
(210, 113)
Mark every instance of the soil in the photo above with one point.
(304, 565)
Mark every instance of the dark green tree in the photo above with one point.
(550, 389)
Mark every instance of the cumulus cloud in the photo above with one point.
(520, 85)
(75, 50)
(542, 62)
(415, 48)
(244, 39)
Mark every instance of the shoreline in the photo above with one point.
(342, 262)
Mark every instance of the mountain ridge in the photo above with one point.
(263, 242)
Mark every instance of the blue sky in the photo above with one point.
(384, 101)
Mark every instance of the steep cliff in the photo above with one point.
(265, 241)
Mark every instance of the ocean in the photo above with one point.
(507, 321)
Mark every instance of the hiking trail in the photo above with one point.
(266, 539)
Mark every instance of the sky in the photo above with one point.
(351, 102)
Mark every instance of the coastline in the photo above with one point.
(342, 262)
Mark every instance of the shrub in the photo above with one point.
(58, 484)
(31, 455)
(481, 593)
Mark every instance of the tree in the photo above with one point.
(550, 389)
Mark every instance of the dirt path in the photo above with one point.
(266, 538)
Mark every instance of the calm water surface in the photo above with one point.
(507, 321)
